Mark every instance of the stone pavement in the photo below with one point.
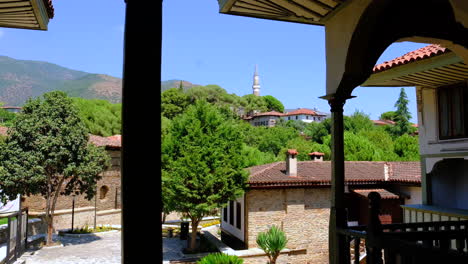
(98, 248)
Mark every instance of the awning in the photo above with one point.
(26, 14)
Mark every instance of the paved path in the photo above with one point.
(99, 248)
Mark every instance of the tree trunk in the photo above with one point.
(50, 229)
(193, 239)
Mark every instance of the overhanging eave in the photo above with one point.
(313, 12)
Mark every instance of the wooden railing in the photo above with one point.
(407, 243)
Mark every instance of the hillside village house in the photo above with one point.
(356, 33)
(107, 200)
(295, 196)
(271, 118)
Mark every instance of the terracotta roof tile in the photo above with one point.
(272, 113)
(302, 111)
(385, 219)
(292, 152)
(384, 194)
(316, 154)
(419, 54)
(319, 173)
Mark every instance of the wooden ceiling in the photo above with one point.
(299, 11)
(25, 14)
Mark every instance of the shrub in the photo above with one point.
(272, 242)
(220, 258)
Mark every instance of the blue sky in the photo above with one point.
(84, 35)
(202, 46)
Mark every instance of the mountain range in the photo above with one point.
(23, 79)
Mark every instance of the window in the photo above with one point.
(103, 192)
(238, 215)
(231, 213)
(453, 111)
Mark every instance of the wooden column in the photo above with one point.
(338, 251)
(140, 174)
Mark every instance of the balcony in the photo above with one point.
(433, 237)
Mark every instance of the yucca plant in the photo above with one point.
(220, 258)
(272, 242)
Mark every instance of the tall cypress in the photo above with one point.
(403, 114)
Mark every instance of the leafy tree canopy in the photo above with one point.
(100, 117)
(203, 162)
(273, 104)
(47, 153)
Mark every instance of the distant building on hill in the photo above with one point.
(271, 118)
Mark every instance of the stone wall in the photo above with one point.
(107, 201)
(82, 217)
(302, 213)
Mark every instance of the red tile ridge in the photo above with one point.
(419, 54)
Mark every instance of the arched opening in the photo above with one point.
(103, 191)
(449, 183)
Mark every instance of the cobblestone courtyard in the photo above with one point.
(100, 248)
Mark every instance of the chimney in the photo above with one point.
(316, 156)
(291, 162)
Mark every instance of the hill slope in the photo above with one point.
(175, 84)
(22, 79)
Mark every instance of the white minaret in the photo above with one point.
(256, 83)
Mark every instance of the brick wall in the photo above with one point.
(302, 213)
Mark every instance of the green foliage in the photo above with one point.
(357, 122)
(173, 102)
(254, 157)
(389, 115)
(269, 139)
(407, 148)
(272, 242)
(253, 102)
(47, 153)
(273, 104)
(403, 115)
(298, 125)
(220, 258)
(202, 161)
(101, 117)
(6, 118)
(89, 230)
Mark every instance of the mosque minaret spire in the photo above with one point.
(256, 83)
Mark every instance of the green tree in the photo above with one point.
(47, 153)
(254, 103)
(272, 242)
(403, 115)
(389, 115)
(202, 163)
(357, 122)
(407, 148)
(273, 104)
(253, 157)
(303, 147)
(173, 102)
(101, 117)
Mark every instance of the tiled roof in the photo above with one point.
(292, 152)
(383, 122)
(384, 194)
(419, 54)
(272, 113)
(110, 142)
(302, 111)
(312, 173)
(316, 154)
